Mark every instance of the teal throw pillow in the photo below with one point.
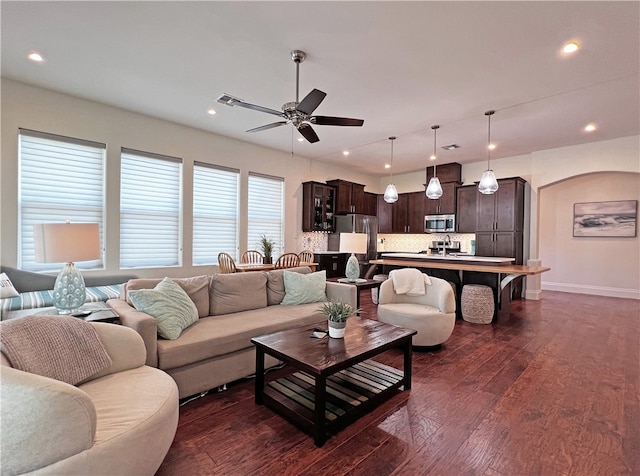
(304, 288)
(169, 304)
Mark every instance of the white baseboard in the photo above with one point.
(593, 290)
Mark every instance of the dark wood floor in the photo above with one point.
(553, 389)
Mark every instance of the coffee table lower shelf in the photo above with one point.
(349, 394)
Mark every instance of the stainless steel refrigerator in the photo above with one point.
(359, 224)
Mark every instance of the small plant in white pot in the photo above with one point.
(337, 314)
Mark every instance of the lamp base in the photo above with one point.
(352, 272)
(69, 292)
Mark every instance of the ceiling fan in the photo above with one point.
(297, 113)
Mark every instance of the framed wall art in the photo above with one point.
(617, 218)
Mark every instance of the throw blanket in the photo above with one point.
(59, 347)
(36, 299)
(409, 281)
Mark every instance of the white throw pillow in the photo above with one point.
(6, 287)
(304, 288)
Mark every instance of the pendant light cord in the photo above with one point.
(435, 133)
(489, 114)
(392, 138)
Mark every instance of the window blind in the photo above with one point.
(60, 178)
(266, 211)
(150, 210)
(215, 212)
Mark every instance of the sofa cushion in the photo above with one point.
(197, 287)
(6, 287)
(237, 292)
(275, 283)
(214, 336)
(304, 289)
(169, 304)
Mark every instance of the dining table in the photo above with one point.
(244, 267)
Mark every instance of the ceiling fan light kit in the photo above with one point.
(434, 189)
(390, 193)
(297, 113)
(488, 183)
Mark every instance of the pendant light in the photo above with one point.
(434, 189)
(488, 183)
(391, 194)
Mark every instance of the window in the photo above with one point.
(150, 210)
(265, 213)
(60, 178)
(215, 212)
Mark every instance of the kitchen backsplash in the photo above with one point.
(318, 241)
(421, 242)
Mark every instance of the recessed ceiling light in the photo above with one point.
(570, 47)
(590, 127)
(451, 147)
(491, 146)
(345, 152)
(387, 166)
(300, 139)
(433, 157)
(35, 56)
(211, 111)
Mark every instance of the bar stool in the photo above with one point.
(477, 303)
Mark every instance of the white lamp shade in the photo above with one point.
(66, 242)
(353, 242)
(391, 194)
(488, 183)
(434, 189)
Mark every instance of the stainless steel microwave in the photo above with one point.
(439, 223)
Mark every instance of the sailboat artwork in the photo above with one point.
(615, 218)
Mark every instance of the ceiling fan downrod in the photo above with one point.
(298, 56)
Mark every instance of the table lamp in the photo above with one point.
(353, 243)
(66, 243)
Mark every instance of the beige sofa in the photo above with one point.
(232, 309)
(120, 421)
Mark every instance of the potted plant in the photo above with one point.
(337, 314)
(266, 245)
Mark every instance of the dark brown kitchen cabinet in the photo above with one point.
(451, 172)
(446, 204)
(506, 244)
(350, 196)
(333, 263)
(408, 213)
(466, 209)
(503, 210)
(370, 203)
(385, 215)
(318, 207)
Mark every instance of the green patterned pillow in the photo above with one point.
(304, 288)
(169, 304)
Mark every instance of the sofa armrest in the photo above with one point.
(142, 323)
(345, 293)
(124, 345)
(42, 421)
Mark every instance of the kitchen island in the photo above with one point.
(496, 272)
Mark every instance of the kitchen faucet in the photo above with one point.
(445, 242)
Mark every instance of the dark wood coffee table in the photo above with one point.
(332, 381)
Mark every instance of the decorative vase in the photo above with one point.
(336, 329)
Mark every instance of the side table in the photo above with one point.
(360, 284)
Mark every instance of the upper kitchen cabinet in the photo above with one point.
(408, 213)
(503, 210)
(446, 173)
(446, 204)
(385, 215)
(350, 196)
(466, 214)
(370, 203)
(318, 207)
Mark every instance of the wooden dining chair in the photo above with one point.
(226, 263)
(287, 260)
(252, 257)
(306, 256)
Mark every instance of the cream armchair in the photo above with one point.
(433, 314)
(120, 421)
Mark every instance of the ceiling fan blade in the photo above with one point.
(308, 133)
(234, 101)
(311, 101)
(268, 126)
(336, 121)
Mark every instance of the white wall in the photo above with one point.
(34, 108)
(547, 172)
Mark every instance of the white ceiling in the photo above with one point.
(400, 66)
